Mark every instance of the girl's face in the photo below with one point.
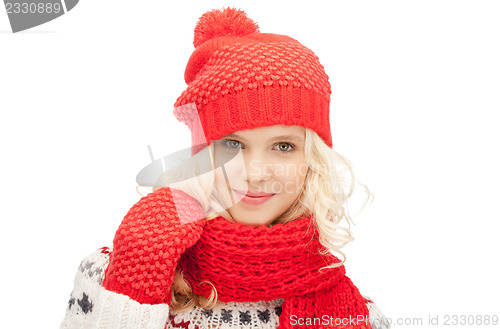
(260, 172)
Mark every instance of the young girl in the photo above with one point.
(247, 243)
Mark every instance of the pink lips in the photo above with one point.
(254, 198)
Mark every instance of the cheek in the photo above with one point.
(234, 170)
(224, 188)
(294, 185)
(220, 183)
(294, 173)
(284, 185)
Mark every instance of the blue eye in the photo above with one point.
(231, 143)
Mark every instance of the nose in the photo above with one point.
(257, 169)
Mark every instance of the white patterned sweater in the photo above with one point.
(93, 307)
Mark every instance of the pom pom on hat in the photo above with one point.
(225, 22)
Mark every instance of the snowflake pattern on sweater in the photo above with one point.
(91, 306)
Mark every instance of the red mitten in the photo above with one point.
(149, 242)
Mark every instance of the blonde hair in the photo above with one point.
(329, 184)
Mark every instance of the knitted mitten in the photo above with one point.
(149, 242)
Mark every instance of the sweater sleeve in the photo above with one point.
(376, 317)
(92, 307)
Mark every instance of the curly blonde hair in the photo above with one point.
(329, 184)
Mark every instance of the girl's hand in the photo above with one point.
(149, 242)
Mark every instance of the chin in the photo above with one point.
(249, 219)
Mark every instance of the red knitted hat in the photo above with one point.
(239, 78)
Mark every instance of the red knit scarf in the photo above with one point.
(249, 264)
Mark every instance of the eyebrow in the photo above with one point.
(281, 137)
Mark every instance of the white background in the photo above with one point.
(415, 107)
